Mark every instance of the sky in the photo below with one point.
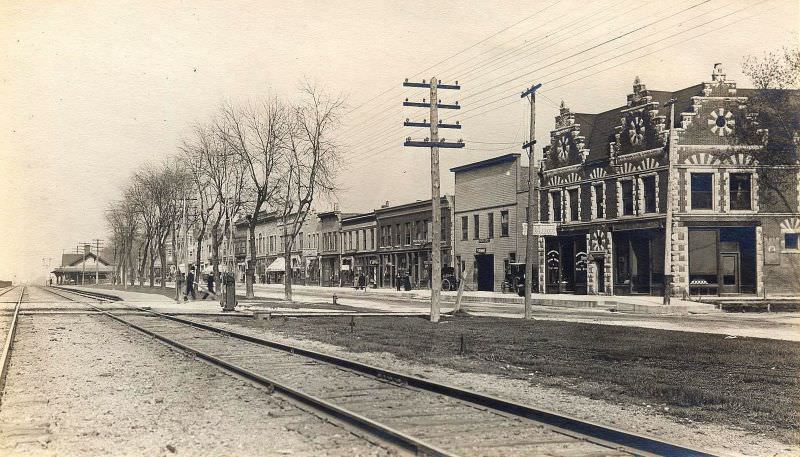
(91, 90)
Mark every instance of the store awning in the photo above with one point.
(278, 264)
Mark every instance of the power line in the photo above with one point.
(557, 61)
(606, 60)
(610, 40)
(458, 53)
(615, 57)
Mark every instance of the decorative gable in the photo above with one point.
(641, 126)
(567, 145)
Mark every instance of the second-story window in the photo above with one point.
(740, 195)
(464, 227)
(490, 224)
(649, 183)
(398, 235)
(599, 201)
(476, 226)
(574, 208)
(408, 232)
(503, 223)
(702, 191)
(627, 198)
(556, 199)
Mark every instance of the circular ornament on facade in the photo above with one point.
(636, 130)
(563, 147)
(721, 121)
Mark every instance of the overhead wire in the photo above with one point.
(621, 63)
(444, 115)
(527, 18)
(458, 114)
(387, 113)
(615, 57)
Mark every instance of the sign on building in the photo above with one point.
(540, 228)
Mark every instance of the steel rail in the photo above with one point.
(9, 290)
(376, 429)
(5, 358)
(594, 432)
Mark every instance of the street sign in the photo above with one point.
(541, 229)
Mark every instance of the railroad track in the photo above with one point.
(410, 413)
(5, 356)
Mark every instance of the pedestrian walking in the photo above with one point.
(190, 285)
(210, 287)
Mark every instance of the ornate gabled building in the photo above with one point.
(607, 180)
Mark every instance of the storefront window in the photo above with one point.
(740, 191)
(702, 191)
(702, 257)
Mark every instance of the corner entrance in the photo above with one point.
(484, 264)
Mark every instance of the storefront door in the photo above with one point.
(730, 273)
(485, 264)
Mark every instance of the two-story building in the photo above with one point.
(488, 235)
(330, 251)
(359, 249)
(404, 241)
(607, 180)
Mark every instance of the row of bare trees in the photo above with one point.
(270, 156)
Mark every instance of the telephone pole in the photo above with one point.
(434, 143)
(671, 182)
(531, 241)
(97, 261)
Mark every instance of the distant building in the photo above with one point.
(359, 248)
(83, 269)
(403, 235)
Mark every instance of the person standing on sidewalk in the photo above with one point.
(190, 284)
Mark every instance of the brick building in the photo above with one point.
(359, 249)
(404, 241)
(604, 179)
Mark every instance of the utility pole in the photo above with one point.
(97, 262)
(531, 241)
(434, 143)
(86, 248)
(671, 182)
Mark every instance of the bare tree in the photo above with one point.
(122, 219)
(773, 121)
(195, 155)
(256, 134)
(138, 194)
(309, 168)
(225, 179)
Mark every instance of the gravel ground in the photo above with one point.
(81, 385)
(644, 419)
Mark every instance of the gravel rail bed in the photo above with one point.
(83, 385)
(458, 427)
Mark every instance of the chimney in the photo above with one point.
(717, 74)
